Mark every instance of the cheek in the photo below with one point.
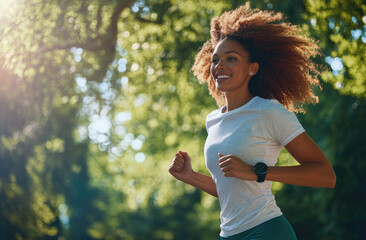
(239, 69)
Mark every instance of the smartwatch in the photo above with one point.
(260, 168)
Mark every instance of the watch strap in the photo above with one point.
(261, 177)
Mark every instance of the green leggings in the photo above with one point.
(274, 229)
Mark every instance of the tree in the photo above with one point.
(97, 96)
(336, 124)
(44, 170)
(340, 27)
(66, 70)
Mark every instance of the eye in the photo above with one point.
(231, 59)
(215, 60)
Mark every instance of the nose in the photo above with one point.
(220, 65)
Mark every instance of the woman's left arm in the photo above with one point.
(314, 169)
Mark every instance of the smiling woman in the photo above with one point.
(258, 71)
(283, 53)
(231, 70)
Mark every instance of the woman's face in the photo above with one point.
(230, 67)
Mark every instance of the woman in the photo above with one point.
(259, 72)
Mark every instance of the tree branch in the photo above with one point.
(101, 42)
(143, 20)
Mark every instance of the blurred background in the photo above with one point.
(96, 97)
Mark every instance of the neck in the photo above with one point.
(233, 101)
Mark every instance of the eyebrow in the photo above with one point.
(227, 53)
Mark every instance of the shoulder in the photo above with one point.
(272, 107)
(211, 117)
(269, 104)
(279, 123)
(213, 113)
(274, 113)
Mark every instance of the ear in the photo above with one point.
(254, 67)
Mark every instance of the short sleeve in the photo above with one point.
(280, 124)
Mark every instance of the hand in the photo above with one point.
(181, 167)
(232, 166)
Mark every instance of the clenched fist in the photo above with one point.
(232, 166)
(181, 167)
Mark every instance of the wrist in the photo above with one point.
(260, 169)
(193, 178)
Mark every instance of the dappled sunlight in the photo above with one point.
(97, 97)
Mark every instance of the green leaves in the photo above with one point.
(96, 97)
(341, 28)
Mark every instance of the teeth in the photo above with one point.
(223, 76)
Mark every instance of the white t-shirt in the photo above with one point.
(254, 132)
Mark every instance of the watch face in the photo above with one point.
(260, 168)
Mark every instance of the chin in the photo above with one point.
(222, 89)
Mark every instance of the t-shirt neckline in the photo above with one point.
(236, 109)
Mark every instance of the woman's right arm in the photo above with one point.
(181, 169)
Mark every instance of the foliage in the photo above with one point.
(336, 125)
(97, 96)
(341, 29)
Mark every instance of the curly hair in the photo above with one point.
(286, 71)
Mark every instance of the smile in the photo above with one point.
(221, 78)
